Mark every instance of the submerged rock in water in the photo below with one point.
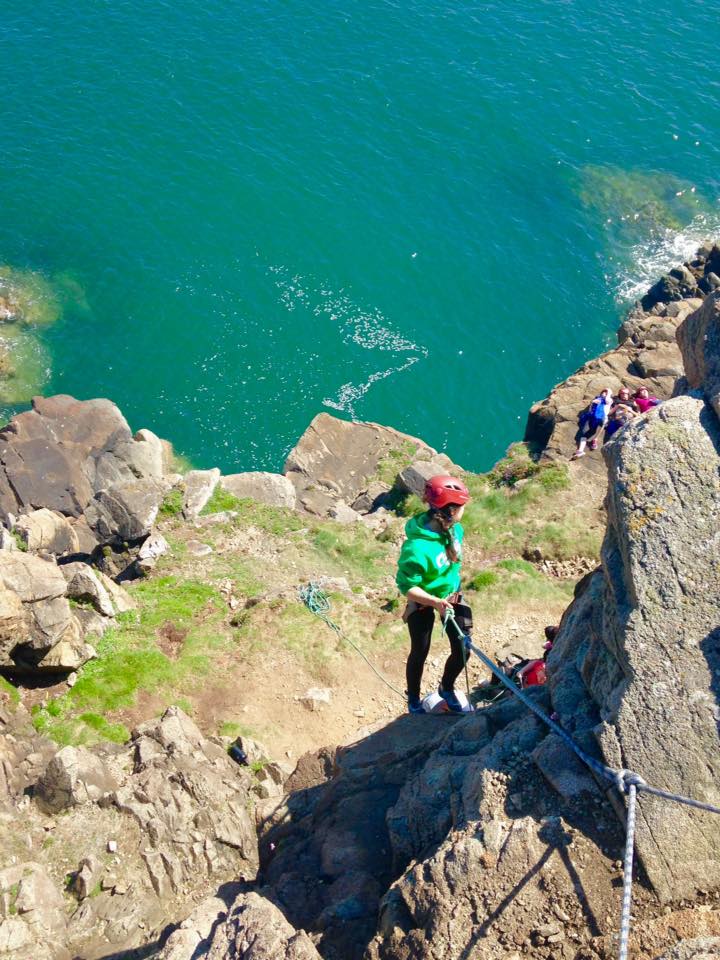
(27, 301)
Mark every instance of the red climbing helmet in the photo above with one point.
(441, 491)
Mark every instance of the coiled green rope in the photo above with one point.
(318, 603)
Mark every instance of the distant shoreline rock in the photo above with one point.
(647, 355)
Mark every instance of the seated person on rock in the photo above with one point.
(624, 399)
(592, 420)
(643, 400)
(620, 415)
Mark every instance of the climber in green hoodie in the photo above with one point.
(429, 575)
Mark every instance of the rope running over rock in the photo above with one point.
(626, 781)
(318, 603)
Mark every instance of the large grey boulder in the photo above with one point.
(83, 583)
(193, 935)
(199, 487)
(31, 578)
(38, 630)
(699, 340)
(74, 776)
(256, 930)
(341, 460)
(64, 453)
(271, 488)
(36, 913)
(44, 530)
(126, 511)
(638, 657)
(47, 453)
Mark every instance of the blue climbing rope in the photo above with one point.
(626, 781)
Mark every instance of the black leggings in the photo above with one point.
(420, 624)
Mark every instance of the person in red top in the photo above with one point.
(643, 400)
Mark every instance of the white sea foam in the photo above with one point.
(650, 260)
(365, 327)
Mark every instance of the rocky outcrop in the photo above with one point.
(271, 488)
(647, 355)
(638, 656)
(43, 530)
(338, 464)
(79, 459)
(699, 339)
(694, 278)
(256, 930)
(152, 828)
(73, 776)
(38, 629)
(199, 486)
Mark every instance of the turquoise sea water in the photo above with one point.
(419, 213)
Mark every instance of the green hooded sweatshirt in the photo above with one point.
(424, 562)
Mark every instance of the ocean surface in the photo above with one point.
(232, 216)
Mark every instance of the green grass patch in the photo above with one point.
(130, 660)
(482, 580)
(172, 503)
(514, 565)
(220, 501)
(10, 691)
(406, 504)
(243, 574)
(115, 732)
(19, 542)
(351, 549)
(513, 580)
(230, 728)
(12, 893)
(395, 461)
(517, 464)
(278, 521)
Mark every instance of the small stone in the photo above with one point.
(112, 846)
(315, 697)
(198, 549)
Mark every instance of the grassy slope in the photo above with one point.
(188, 636)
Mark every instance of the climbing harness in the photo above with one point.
(626, 781)
(444, 621)
(317, 602)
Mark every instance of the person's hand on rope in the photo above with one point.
(443, 607)
(428, 600)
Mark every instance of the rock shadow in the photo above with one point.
(331, 855)
(710, 648)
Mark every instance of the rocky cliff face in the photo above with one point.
(647, 355)
(481, 837)
(493, 840)
(638, 657)
(106, 846)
